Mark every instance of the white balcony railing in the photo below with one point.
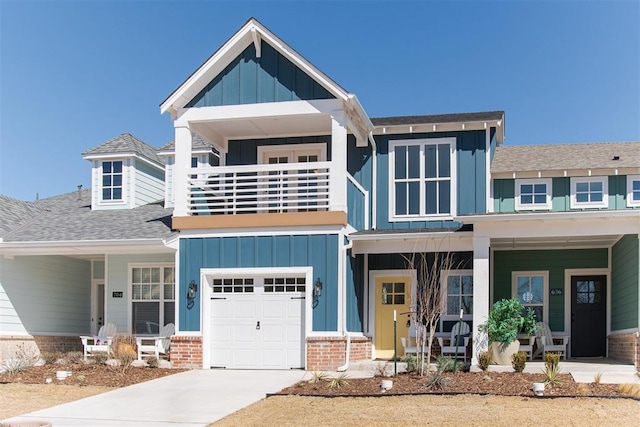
(287, 187)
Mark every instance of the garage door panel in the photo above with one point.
(245, 309)
(273, 334)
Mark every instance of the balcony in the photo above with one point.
(259, 189)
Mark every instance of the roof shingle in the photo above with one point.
(126, 144)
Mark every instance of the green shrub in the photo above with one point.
(507, 318)
(551, 359)
(552, 374)
(519, 361)
(153, 362)
(411, 361)
(444, 364)
(435, 380)
(484, 360)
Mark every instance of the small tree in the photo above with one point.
(427, 308)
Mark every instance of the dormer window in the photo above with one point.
(589, 192)
(533, 194)
(112, 180)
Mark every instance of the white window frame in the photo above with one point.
(630, 180)
(545, 300)
(125, 178)
(533, 206)
(293, 150)
(605, 192)
(160, 301)
(445, 274)
(423, 216)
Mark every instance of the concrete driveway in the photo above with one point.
(193, 398)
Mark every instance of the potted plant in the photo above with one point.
(507, 318)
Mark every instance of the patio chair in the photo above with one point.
(526, 344)
(458, 341)
(547, 342)
(409, 343)
(155, 346)
(100, 343)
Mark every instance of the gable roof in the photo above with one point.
(252, 32)
(69, 218)
(561, 157)
(125, 144)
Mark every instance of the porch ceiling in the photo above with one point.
(557, 242)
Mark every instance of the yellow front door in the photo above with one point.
(392, 293)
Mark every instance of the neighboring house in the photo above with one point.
(292, 216)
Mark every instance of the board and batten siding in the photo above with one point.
(355, 293)
(553, 261)
(245, 151)
(149, 184)
(118, 281)
(317, 251)
(251, 80)
(359, 166)
(504, 194)
(45, 295)
(625, 283)
(470, 180)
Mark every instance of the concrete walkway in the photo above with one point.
(193, 398)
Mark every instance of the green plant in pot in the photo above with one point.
(507, 318)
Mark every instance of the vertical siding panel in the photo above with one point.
(284, 82)
(303, 85)
(480, 154)
(264, 251)
(248, 76)
(229, 252)
(231, 84)
(246, 252)
(281, 250)
(299, 250)
(561, 191)
(212, 253)
(267, 72)
(625, 274)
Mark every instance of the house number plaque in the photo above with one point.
(556, 291)
(117, 294)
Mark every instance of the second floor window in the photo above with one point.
(633, 190)
(421, 183)
(532, 194)
(112, 180)
(592, 192)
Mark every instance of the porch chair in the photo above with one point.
(547, 342)
(100, 343)
(526, 344)
(409, 343)
(155, 346)
(460, 334)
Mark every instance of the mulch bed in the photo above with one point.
(493, 383)
(87, 374)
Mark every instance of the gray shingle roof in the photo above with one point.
(126, 144)
(14, 213)
(522, 158)
(197, 143)
(438, 118)
(65, 218)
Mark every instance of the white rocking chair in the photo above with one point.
(550, 343)
(452, 345)
(155, 346)
(100, 343)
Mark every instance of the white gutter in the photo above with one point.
(344, 309)
(471, 219)
(75, 247)
(374, 183)
(413, 236)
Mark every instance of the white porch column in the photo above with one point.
(338, 176)
(480, 293)
(183, 163)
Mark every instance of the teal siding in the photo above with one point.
(245, 152)
(355, 207)
(494, 142)
(355, 293)
(553, 261)
(317, 251)
(504, 194)
(359, 166)
(471, 178)
(250, 80)
(625, 281)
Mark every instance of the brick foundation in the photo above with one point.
(327, 353)
(625, 348)
(186, 352)
(10, 344)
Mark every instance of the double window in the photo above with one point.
(457, 290)
(533, 194)
(591, 192)
(152, 298)
(531, 290)
(112, 180)
(633, 190)
(421, 183)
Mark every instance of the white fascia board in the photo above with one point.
(166, 153)
(557, 173)
(438, 235)
(406, 244)
(124, 156)
(543, 216)
(228, 52)
(435, 127)
(86, 246)
(248, 111)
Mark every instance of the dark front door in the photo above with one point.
(588, 316)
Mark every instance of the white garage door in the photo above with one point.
(257, 323)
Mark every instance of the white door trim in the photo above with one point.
(95, 283)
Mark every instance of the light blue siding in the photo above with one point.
(625, 280)
(45, 295)
(149, 184)
(249, 80)
(317, 251)
(118, 309)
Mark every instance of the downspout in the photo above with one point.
(374, 181)
(345, 333)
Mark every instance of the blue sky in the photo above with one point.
(74, 74)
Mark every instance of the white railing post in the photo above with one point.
(180, 171)
(338, 175)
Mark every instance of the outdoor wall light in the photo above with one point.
(317, 288)
(192, 289)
